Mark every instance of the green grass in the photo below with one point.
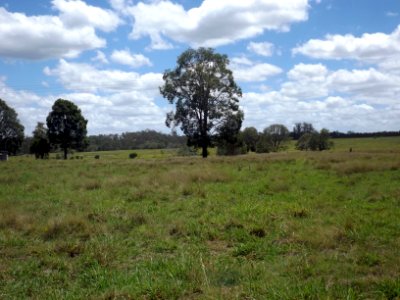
(293, 225)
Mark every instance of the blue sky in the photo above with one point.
(335, 63)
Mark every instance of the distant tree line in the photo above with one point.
(352, 134)
(275, 138)
(145, 139)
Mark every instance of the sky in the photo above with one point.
(333, 63)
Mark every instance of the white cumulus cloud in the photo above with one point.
(125, 57)
(78, 14)
(213, 23)
(86, 78)
(263, 49)
(369, 48)
(247, 71)
(42, 37)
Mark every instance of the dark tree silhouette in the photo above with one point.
(250, 138)
(204, 92)
(40, 145)
(301, 128)
(66, 126)
(228, 139)
(11, 130)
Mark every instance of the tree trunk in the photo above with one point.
(65, 153)
(204, 152)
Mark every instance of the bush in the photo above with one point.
(97, 157)
(133, 155)
(231, 149)
(186, 151)
(314, 141)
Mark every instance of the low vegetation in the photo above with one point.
(288, 225)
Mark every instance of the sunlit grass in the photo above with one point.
(292, 225)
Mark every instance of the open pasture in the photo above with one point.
(292, 225)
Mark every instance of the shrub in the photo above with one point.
(97, 157)
(231, 149)
(186, 151)
(133, 155)
(314, 141)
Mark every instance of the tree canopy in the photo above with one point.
(66, 126)
(314, 141)
(250, 138)
(11, 130)
(273, 138)
(300, 129)
(40, 145)
(204, 92)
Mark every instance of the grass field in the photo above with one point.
(292, 225)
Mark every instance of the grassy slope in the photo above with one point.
(277, 226)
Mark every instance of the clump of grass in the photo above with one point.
(62, 227)
(70, 249)
(233, 225)
(300, 212)
(258, 232)
(16, 221)
(369, 259)
(279, 185)
(92, 185)
(354, 167)
(128, 221)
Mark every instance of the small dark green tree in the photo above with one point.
(250, 138)
(11, 130)
(66, 126)
(324, 140)
(273, 138)
(228, 139)
(315, 141)
(204, 92)
(264, 143)
(40, 145)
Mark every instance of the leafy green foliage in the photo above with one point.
(11, 130)
(315, 141)
(40, 145)
(204, 92)
(228, 139)
(66, 126)
(250, 138)
(272, 139)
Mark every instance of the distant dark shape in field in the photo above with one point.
(66, 126)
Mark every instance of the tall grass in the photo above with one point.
(293, 225)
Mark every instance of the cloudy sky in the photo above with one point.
(335, 63)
